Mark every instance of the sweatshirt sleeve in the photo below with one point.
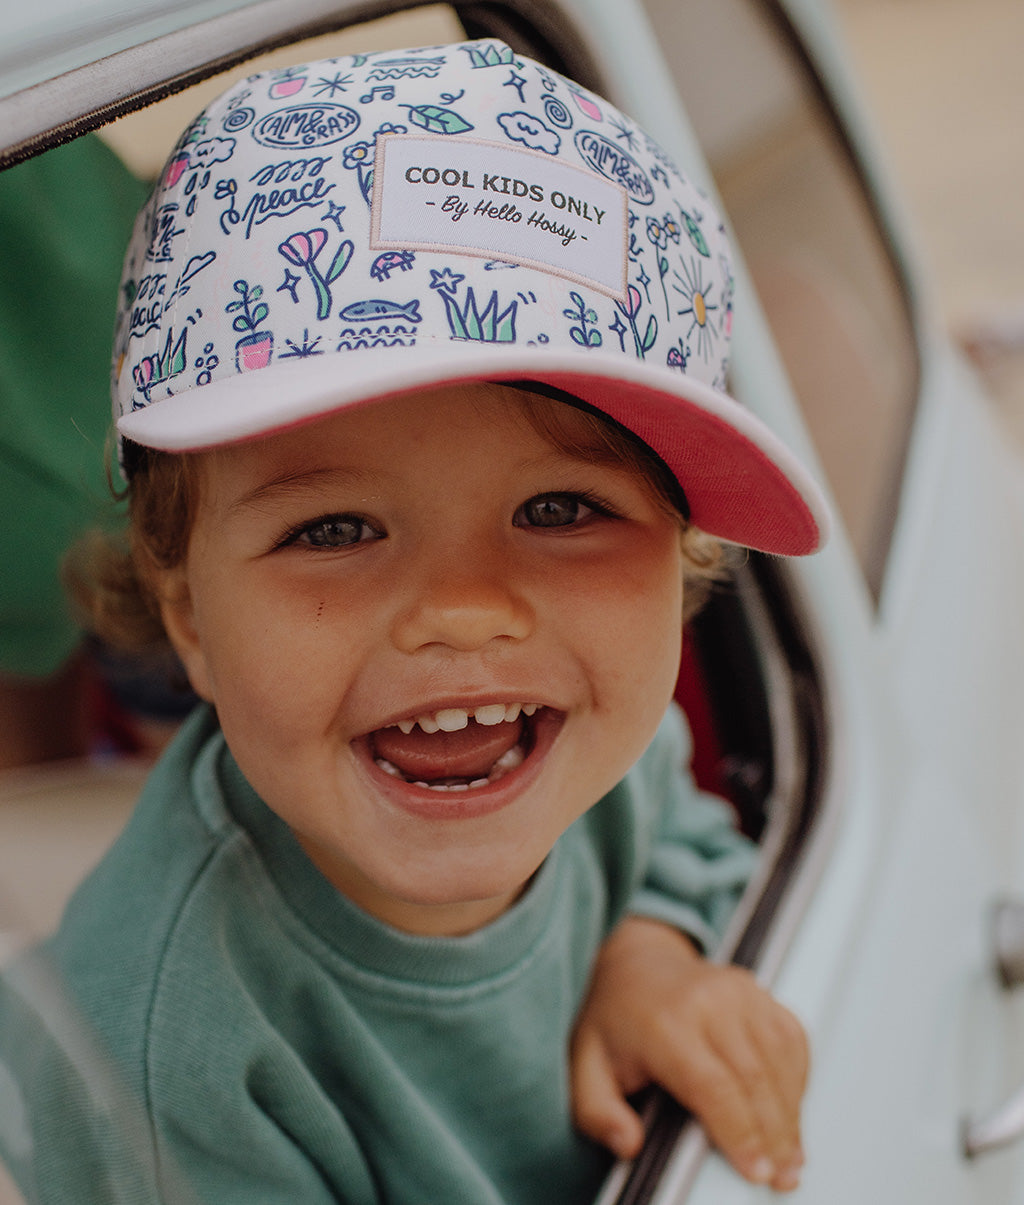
(697, 862)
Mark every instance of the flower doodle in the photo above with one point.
(302, 250)
(658, 234)
(630, 311)
(358, 157)
(698, 306)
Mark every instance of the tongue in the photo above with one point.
(427, 757)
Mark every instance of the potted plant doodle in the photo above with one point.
(256, 347)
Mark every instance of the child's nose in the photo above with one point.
(464, 611)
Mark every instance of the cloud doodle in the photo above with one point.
(530, 131)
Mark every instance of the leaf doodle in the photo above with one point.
(650, 335)
(340, 261)
(584, 316)
(437, 120)
(696, 234)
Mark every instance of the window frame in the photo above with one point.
(863, 234)
(828, 98)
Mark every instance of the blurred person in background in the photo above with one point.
(65, 216)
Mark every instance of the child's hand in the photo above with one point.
(659, 1012)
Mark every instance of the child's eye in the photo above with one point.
(334, 531)
(557, 510)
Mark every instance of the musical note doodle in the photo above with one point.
(386, 93)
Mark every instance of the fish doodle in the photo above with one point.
(378, 308)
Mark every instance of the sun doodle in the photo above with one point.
(697, 295)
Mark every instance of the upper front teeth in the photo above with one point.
(451, 719)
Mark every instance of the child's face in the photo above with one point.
(425, 557)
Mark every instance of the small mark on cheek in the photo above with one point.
(319, 612)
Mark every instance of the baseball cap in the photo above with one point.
(331, 234)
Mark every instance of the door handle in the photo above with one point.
(1006, 1123)
(999, 1128)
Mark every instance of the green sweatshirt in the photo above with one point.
(235, 1032)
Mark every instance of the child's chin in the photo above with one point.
(449, 801)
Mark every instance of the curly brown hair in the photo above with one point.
(111, 577)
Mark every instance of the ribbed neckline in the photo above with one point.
(361, 939)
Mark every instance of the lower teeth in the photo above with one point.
(508, 761)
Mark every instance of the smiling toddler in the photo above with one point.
(419, 386)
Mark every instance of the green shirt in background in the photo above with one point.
(65, 219)
(214, 1023)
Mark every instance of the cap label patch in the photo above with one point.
(434, 193)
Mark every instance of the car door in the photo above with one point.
(919, 654)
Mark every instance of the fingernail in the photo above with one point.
(788, 1178)
(622, 1144)
(762, 1170)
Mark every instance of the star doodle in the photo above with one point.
(290, 284)
(619, 328)
(331, 86)
(333, 214)
(445, 280)
(627, 135)
(518, 82)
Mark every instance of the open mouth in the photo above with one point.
(459, 749)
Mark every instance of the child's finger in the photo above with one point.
(709, 1085)
(774, 1059)
(784, 1047)
(600, 1107)
(776, 1113)
(766, 1064)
